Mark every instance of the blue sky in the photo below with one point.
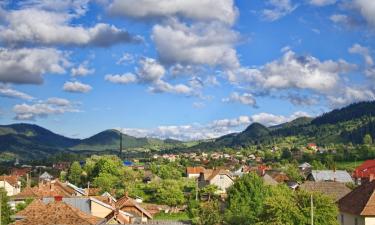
(181, 69)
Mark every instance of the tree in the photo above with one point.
(246, 200)
(169, 192)
(325, 210)
(209, 190)
(75, 173)
(280, 208)
(207, 213)
(293, 173)
(6, 211)
(367, 139)
(106, 182)
(21, 206)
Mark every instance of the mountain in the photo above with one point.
(32, 141)
(340, 126)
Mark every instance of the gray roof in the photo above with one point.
(331, 175)
(46, 176)
(305, 165)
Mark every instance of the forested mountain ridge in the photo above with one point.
(341, 126)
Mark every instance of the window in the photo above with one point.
(221, 177)
(356, 221)
(342, 219)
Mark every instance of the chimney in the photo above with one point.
(334, 174)
(127, 194)
(58, 198)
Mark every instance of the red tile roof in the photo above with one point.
(365, 169)
(125, 201)
(50, 189)
(361, 201)
(194, 170)
(12, 180)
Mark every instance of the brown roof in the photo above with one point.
(125, 201)
(278, 176)
(12, 180)
(336, 190)
(31, 209)
(211, 174)
(50, 189)
(361, 201)
(58, 213)
(195, 170)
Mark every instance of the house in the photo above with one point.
(219, 177)
(278, 176)
(61, 165)
(56, 212)
(194, 172)
(312, 146)
(11, 184)
(45, 177)
(364, 171)
(330, 175)
(20, 172)
(335, 190)
(304, 167)
(129, 205)
(358, 207)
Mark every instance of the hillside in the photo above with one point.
(345, 125)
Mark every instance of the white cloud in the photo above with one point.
(293, 72)
(42, 109)
(198, 105)
(82, 69)
(322, 2)
(206, 10)
(150, 70)
(213, 129)
(121, 79)
(279, 9)
(76, 87)
(365, 53)
(37, 26)
(27, 66)
(245, 98)
(197, 44)
(161, 86)
(350, 95)
(126, 58)
(302, 100)
(367, 9)
(7, 91)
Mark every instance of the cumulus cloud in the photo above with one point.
(367, 9)
(351, 95)
(121, 79)
(125, 58)
(76, 87)
(322, 2)
(43, 109)
(213, 129)
(365, 53)
(278, 9)
(161, 86)
(294, 72)
(206, 10)
(82, 69)
(8, 92)
(302, 100)
(28, 65)
(43, 27)
(196, 44)
(245, 98)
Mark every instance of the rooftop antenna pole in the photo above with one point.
(312, 210)
(120, 143)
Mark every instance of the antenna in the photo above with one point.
(120, 143)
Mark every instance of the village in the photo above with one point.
(161, 191)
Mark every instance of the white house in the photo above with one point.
(221, 178)
(11, 184)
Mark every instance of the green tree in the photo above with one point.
(6, 211)
(293, 173)
(367, 139)
(210, 213)
(281, 208)
(209, 191)
(246, 200)
(75, 173)
(106, 182)
(169, 192)
(21, 206)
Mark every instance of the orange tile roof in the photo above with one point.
(125, 201)
(361, 201)
(12, 180)
(31, 209)
(58, 213)
(51, 189)
(194, 170)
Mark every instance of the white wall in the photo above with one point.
(349, 219)
(222, 181)
(9, 188)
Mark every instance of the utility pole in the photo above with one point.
(120, 144)
(312, 211)
(1, 199)
(196, 190)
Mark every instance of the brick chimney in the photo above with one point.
(58, 198)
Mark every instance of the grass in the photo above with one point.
(181, 216)
(349, 166)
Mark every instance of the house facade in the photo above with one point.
(220, 178)
(11, 184)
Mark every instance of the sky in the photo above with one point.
(182, 69)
